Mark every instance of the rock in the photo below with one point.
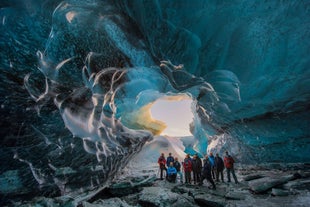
(123, 189)
(197, 190)
(112, 202)
(159, 197)
(252, 177)
(235, 195)
(184, 201)
(180, 189)
(210, 201)
(189, 190)
(279, 192)
(128, 187)
(43, 202)
(302, 184)
(262, 185)
(304, 174)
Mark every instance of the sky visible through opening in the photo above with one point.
(177, 115)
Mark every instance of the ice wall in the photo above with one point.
(75, 75)
(254, 55)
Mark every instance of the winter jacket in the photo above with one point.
(161, 161)
(169, 159)
(171, 170)
(212, 161)
(177, 166)
(229, 162)
(219, 163)
(187, 165)
(196, 164)
(206, 171)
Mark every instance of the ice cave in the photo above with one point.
(81, 79)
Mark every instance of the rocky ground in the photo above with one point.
(270, 185)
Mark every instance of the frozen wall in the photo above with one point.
(75, 74)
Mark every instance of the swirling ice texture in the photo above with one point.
(254, 55)
(76, 74)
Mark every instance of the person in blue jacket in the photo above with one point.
(212, 162)
(171, 173)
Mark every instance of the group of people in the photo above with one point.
(211, 168)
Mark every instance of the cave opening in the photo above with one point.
(176, 113)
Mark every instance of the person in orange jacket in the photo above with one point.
(229, 164)
(162, 165)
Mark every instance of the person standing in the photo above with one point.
(169, 159)
(187, 166)
(162, 165)
(206, 172)
(196, 166)
(177, 166)
(212, 162)
(229, 164)
(219, 167)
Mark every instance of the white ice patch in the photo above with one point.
(70, 16)
(145, 163)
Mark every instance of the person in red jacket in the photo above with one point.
(162, 165)
(229, 164)
(187, 166)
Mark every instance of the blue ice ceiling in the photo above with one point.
(75, 76)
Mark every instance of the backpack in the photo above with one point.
(161, 161)
(229, 162)
(186, 164)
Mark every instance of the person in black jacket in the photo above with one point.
(219, 167)
(206, 173)
(177, 166)
(196, 167)
(169, 159)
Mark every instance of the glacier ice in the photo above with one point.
(78, 78)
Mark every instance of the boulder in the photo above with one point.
(112, 202)
(279, 192)
(252, 177)
(302, 184)
(121, 188)
(44, 201)
(210, 201)
(159, 197)
(263, 185)
(235, 195)
(304, 174)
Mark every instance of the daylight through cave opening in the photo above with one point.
(175, 112)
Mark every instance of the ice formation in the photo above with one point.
(78, 78)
